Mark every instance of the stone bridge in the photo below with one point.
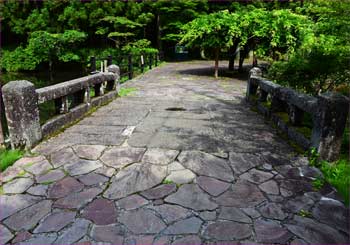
(181, 160)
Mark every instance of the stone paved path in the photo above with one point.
(183, 160)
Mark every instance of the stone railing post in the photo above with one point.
(114, 69)
(22, 113)
(252, 87)
(329, 124)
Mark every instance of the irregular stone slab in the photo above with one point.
(314, 232)
(29, 217)
(256, 176)
(205, 164)
(174, 166)
(296, 186)
(77, 200)
(108, 172)
(134, 240)
(21, 236)
(171, 213)
(333, 213)
(51, 176)
(273, 211)
(64, 187)
(25, 162)
(41, 239)
(135, 178)
(192, 239)
(93, 179)
(5, 234)
(208, 215)
(270, 187)
(12, 204)
(268, 231)
(241, 162)
(113, 234)
(82, 167)
(55, 221)
(213, 186)
(234, 214)
(187, 226)
(131, 202)
(64, 156)
(89, 152)
(159, 191)
(38, 190)
(227, 230)
(243, 194)
(38, 167)
(163, 240)
(10, 173)
(74, 233)
(142, 221)
(101, 212)
(181, 176)
(251, 212)
(159, 156)
(191, 196)
(299, 203)
(119, 157)
(17, 186)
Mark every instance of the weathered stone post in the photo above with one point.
(329, 125)
(22, 113)
(115, 69)
(251, 86)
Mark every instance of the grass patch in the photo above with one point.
(9, 157)
(317, 184)
(126, 91)
(337, 173)
(166, 181)
(304, 213)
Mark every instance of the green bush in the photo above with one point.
(9, 157)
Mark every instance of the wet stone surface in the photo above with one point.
(134, 172)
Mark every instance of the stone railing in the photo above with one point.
(288, 108)
(72, 100)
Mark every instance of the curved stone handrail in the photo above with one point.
(22, 101)
(328, 111)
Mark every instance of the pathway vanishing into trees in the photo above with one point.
(182, 160)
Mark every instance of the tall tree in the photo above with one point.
(215, 31)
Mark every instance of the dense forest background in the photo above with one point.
(306, 44)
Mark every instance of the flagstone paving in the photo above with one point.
(183, 160)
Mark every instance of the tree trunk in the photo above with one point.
(159, 40)
(241, 59)
(232, 55)
(216, 74)
(231, 61)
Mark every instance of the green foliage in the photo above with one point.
(43, 47)
(9, 157)
(321, 62)
(214, 30)
(139, 47)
